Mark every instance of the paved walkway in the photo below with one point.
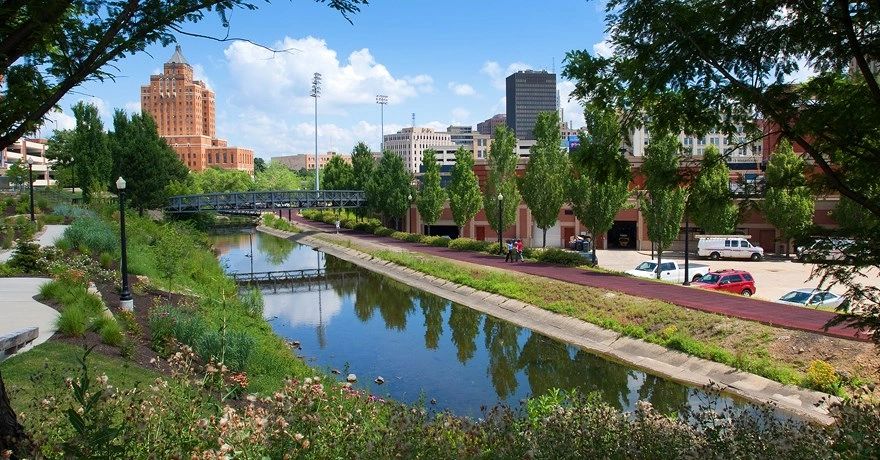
(779, 315)
(47, 237)
(19, 310)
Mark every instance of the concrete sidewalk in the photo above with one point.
(47, 237)
(19, 310)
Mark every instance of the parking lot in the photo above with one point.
(773, 276)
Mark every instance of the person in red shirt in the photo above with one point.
(519, 250)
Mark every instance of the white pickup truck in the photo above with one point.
(669, 271)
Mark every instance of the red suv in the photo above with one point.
(735, 281)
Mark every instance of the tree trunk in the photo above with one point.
(659, 260)
(12, 434)
(544, 243)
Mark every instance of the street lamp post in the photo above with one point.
(500, 221)
(687, 228)
(408, 207)
(30, 162)
(382, 99)
(125, 300)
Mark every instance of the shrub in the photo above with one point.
(493, 248)
(43, 204)
(383, 231)
(399, 235)
(822, 376)
(73, 212)
(560, 257)
(8, 237)
(111, 333)
(273, 221)
(438, 241)
(72, 321)
(233, 350)
(468, 244)
(26, 257)
(413, 238)
(368, 227)
(253, 302)
(93, 234)
(161, 328)
(127, 320)
(106, 260)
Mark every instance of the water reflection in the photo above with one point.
(427, 347)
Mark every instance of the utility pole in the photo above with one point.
(382, 99)
(316, 92)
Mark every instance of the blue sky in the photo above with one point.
(444, 61)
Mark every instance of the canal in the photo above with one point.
(428, 348)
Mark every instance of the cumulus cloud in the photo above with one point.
(55, 120)
(200, 74)
(284, 80)
(462, 89)
(498, 74)
(460, 116)
(132, 107)
(572, 109)
(604, 48)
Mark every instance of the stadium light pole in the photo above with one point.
(382, 99)
(316, 92)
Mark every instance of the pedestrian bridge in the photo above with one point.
(256, 202)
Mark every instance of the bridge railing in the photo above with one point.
(265, 200)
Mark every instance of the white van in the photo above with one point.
(728, 247)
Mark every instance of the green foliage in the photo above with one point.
(92, 233)
(598, 185)
(464, 189)
(823, 377)
(8, 237)
(90, 151)
(399, 235)
(72, 211)
(438, 241)
(72, 321)
(561, 257)
(710, 201)
(17, 174)
(430, 197)
(143, 159)
(275, 176)
(221, 180)
(110, 332)
(259, 165)
(468, 244)
(383, 231)
(664, 205)
(543, 185)
(273, 221)
(26, 257)
(252, 299)
(501, 163)
(788, 203)
(337, 175)
(389, 187)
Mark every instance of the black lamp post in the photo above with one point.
(125, 300)
(500, 222)
(30, 162)
(408, 208)
(687, 228)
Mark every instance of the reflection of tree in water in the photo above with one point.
(546, 363)
(396, 302)
(433, 308)
(667, 397)
(593, 373)
(465, 323)
(343, 285)
(275, 249)
(503, 346)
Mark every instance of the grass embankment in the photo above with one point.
(272, 221)
(738, 343)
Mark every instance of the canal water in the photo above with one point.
(427, 348)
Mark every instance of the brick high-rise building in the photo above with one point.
(529, 92)
(184, 112)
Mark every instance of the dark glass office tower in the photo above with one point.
(529, 92)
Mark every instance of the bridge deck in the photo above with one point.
(287, 276)
(254, 202)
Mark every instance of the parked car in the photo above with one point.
(826, 249)
(729, 247)
(812, 298)
(669, 270)
(734, 281)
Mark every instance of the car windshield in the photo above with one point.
(646, 266)
(796, 297)
(710, 278)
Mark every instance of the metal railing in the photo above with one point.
(255, 202)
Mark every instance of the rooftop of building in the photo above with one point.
(177, 57)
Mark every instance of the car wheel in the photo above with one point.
(746, 293)
(715, 256)
(697, 277)
(756, 257)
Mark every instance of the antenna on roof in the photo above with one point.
(413, 119)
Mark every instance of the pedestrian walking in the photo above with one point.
(509, 256)
(337, 225)
(519, 250)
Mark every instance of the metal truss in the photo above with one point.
(255, 202)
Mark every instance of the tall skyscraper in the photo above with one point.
(184, 112)
(529, 92)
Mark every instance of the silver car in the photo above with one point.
(812, 298)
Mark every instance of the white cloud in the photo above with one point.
(462, 89)
(56, 120)
(604, 48)
(200, 74)
(500, 106)
(132, 107)
(460, 116)
(498, 75)
(572, 109)
(282, 81)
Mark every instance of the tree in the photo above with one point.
(389, 188)
(48, 47)
(430, 198)
(696, 70)
(221, 180)
(259, 165)
(710, 201)
(90, 150)
(788, 203)
(276, 176)
(143, 158)
(502, 180)
(362, 165)
(664, 205)
(17, 174)
(58, 151)
(598, 185)
(543, 185)
(338, 175)
(463, 190)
